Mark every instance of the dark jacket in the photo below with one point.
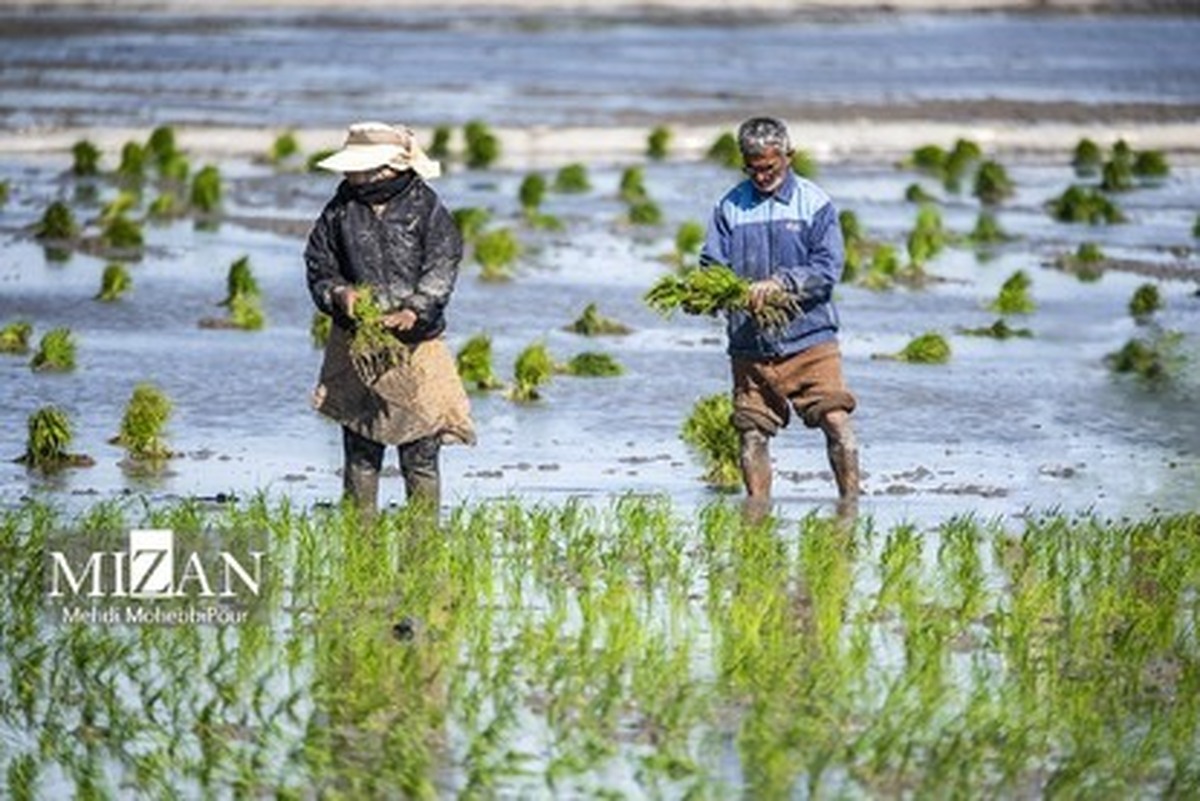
(408, 255)
(792, 235)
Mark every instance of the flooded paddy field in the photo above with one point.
(1012, 614)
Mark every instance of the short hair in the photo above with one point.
(757, 135)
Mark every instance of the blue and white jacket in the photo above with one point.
(792, 235)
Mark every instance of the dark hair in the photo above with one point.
(757, 135)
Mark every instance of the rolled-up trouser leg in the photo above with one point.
(360, 474)
(419, 465)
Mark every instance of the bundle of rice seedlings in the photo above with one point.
(161, 147)
(725, 151)
(245, 312)
(496, 251)
(86, 158)
(471, 220)
(572, 179)
(1084, 205)
(14, 338)
(320, 328)
(1154, 359)
(55, 353)
(632, 186)
(142, 425)
(132, 168)
(122, 233)
(374, 349)
(439, 144)
(284, 147)
(1151, 165)
(928, 237)
(57, 223)
(1117, 176)
(240, 281)
(928, 348)
(1087, 157)
(714, 289)
(1145, 302)
(1014, 295)
(206, 190)
(992, 184)
(804, 164)
(658, 142)
(915, 193)
(709, 430)
(987, 230)
(591, 323)
(114, 282)
(532, 369)
(474, 362)
(1087, 262)
(645, 211)
(483, 148)
(49, 434)
(591, 364)
(689, 238)
(531, 193)
(997, 330)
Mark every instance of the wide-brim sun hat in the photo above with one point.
(370, 145)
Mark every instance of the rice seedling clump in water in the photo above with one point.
(142, 425)
(709, 430)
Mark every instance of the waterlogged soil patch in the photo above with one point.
(623, 646)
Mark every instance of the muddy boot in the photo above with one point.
(419, 466)
(842, 448)
(360, 475)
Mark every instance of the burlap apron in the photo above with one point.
(420, 398)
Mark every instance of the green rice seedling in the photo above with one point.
(929, 159)
(531, 370)
(645, 211)
(658, 143)
(928, 237)
(632, 186)
(1196, 228)
(1117, 176)
(725, 151)
(114, 282)
(471, 220)
(439, 144)
(1014, 295)
(496, 251)
(132, 167)
(1082, 205)
(125, 201)
(310, 164)
(55, 353)
(987, 230)
(86, 159)
(121, 233)
(320, 329)
(142, 424)
(997, 330)
(57, 223)
(1153, 359)
(572, 179)
(1087, 157)
(483, 147)
(886, 269)
(14, 337)
(240, 281)
(592, 323)
(174, 168)
(593, 365)
(1145, 302)
(161, 145)
(531, 193)
(709, 430)
(992, 184)
(959, 161)
(374, 349)
(915, 193)
(1123, 152)
(285, 147)
(715, 289)
(1087, 262)
(164, 207)
(803, 164)
(928, 348)
(1151, 165)
(689, 238)
(245, 313)
(474, 361)
(50, 434)
(205, 196)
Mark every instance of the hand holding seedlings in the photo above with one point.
(710, 290)
(345, 298)
(402, 320)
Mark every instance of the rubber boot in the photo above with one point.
(842, 448)
(755, 461)
(422, 478)
(360, 473)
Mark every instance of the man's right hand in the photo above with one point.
(344, 298)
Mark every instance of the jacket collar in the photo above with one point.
(783, 194)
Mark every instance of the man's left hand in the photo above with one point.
(402, 320)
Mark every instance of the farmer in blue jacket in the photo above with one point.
(781, 232)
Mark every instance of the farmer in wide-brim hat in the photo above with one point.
(386, 231)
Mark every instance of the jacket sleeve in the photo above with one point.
(322, 263)
(443, 249)
(716, 240)
(814, 282)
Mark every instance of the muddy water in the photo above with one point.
(1005, 427)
